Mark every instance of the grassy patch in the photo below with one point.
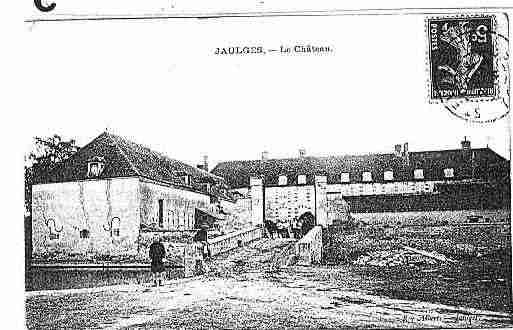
(480, 278)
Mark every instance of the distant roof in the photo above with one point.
(124, 158)
(238, 173)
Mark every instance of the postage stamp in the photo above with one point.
(461, 56)
(468, 66)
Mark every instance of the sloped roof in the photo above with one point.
(237, 173)
(124, 158)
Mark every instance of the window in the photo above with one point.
(116, 224)
(95, 167)
(301, 179)
(449, 173)
(161, 213)
(282, 180)
(344, 177)
(186, 179)
(367, 176)
(388, 175)
(418, 174)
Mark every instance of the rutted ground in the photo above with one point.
(251, 288)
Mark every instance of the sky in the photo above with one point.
(159, 83)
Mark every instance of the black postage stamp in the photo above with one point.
(461, 57)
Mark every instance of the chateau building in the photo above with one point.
(460, 179)
(109, 197)
(102, 199)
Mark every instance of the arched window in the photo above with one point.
(282, 180)
(116, 225)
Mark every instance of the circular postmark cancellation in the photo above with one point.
(468, 66)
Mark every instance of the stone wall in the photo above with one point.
(287, 202)
(309, 248)
(178, 246)
(237, 215)
(257, 201)
(321, 201)
(112, 211)
(233, 240)
(433, 218)
(107, 209)
(179, 206)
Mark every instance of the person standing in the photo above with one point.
(296, 228)
(157, 255)
(202, 237)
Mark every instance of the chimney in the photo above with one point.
(406, 153)
(397, 150)
(302, 153)
(204, 165)
(265, 155)
(465, 144)
(205, 162)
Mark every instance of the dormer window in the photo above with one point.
(282, 180)
(301, 179)
(449, 172)
(344, 177)
(186, 179)
(418, 174)
(388, 175)
(183, 177)
(367, 176)
(95, 167)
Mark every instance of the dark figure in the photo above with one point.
(283, 229)
(201, 236)
(296, 228)
(307, 220)
(157, 254)
(271, 228)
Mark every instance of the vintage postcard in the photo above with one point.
(261, 167)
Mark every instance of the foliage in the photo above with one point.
(47, 152)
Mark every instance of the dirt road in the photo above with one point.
(247, 289)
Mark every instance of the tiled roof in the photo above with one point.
(124, 158)
(476, 163)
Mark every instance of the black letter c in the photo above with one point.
(42, 8)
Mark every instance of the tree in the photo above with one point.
(46, 154)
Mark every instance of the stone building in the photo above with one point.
(106, 198)
(460, 179)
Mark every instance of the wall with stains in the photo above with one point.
(288, 202)
(62, 213)
(178, 206)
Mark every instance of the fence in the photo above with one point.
(233, 240)
(309, 248)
